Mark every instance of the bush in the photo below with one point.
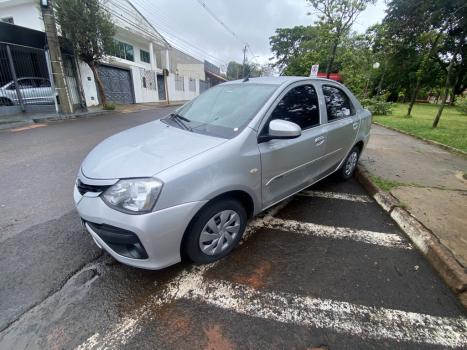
(109, 106)
(461, 104)
(378, 105)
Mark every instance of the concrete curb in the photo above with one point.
(436, 143)
(442, 260)
(60, 117)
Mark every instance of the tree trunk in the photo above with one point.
(99, 84)
(422, 69)
(447, 85)
(381, 80)
(413, 98)
(333, 56)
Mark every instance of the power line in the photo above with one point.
(149, 8)
(218, 20)
(174, 40)
(174, 43)
(226, 27)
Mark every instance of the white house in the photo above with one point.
(143, 67)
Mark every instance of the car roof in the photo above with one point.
(33, 78)
(278, 80)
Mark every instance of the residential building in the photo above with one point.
(213, 75)
(142, 67)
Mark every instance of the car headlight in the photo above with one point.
(136, 196)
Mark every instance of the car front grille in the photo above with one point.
(84, 188)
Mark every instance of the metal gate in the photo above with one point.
(70, 71)
(117, 84)
(161, 87)
(25, 84)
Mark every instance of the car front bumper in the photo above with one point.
(159, 232)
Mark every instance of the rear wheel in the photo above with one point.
(350, 164)
(215, 231)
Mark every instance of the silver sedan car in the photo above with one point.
(33, 90)
(185, 185)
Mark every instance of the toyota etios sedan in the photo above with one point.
(186, 184)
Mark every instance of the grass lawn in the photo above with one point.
(451, 130)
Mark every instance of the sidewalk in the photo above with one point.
(428, 181)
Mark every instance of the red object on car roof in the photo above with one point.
(332, 76)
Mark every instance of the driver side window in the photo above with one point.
(300, 106)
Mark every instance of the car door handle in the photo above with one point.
(320, 140)
(355, 125)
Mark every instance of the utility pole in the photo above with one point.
(56, 56)
(244, 61)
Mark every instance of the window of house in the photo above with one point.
(179, 83)
(122, 50)
(192, 85)
(144, 56)
(300, 106)
(7, 20)
(158, 57)
(337, 103)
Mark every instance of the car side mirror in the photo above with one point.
(281, 129)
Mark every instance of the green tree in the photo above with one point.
(338, 16)
(422, 25)
(288, 43)
(235, 70)
(89, 28)
(455, 48)
(296, 49)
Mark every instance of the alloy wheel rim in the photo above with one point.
(351, 163)
(220, 232)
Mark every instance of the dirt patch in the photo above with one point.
(216, 340)
(178, 324)
(256, 278)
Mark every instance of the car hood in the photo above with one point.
(144, 151)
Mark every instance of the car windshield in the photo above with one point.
(224, 110)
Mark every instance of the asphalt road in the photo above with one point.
(327, 269)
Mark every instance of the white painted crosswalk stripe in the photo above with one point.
(370, 237)
(343, 317)
(362, 321)
(337, 195)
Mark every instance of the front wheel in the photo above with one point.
(350, 163)
(215, 231)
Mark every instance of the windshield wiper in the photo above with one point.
(180, 120)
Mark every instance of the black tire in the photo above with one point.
(350, 164)
(5, 102)
(191, 243)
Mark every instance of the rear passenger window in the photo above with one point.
(337, 103)
(300, 106)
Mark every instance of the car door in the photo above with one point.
(27, 88)
(289, 165)
(342, 126)
(43, 91)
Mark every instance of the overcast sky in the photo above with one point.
(190, 27)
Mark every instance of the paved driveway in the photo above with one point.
(326, 269)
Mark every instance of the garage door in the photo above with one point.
(117, 84)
